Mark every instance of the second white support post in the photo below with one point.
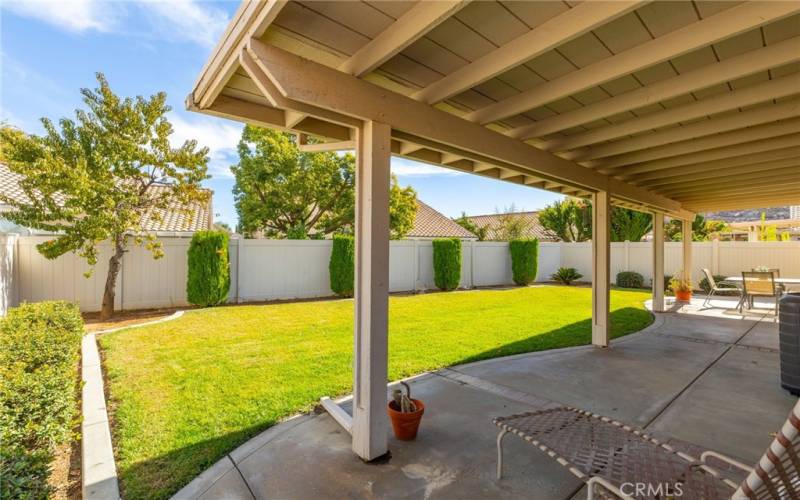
(601, 267)
(658, 262)
(686, 229)
(370, 422)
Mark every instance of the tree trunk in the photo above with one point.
(107, 310)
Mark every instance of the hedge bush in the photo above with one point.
(342, 265)
(39, 352)
(630, 279)
(524, 260)
(447, 263)
(209, 275)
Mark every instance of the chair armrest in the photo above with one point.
(739, 465)
(599, 482)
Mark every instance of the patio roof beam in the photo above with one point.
(747, 96)
(410, 27)
(727, 193)
(700, 34)
(778, 154)
(754, 181)
(757, 116)
(746, 64)
(713, 142)
(740, 202)
(730, 179)
(763, 167)
(747, 148)
(556, 31)
(301, 80)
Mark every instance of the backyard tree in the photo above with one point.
(482, 232)
(630, 225)
(284, 192)
(101, 176)
(570, 219)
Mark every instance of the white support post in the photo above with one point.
(687, 248)
(601, 267)
(370, 422)
(658, 262)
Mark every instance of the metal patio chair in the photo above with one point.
(722, 286)
(759, 284)
(607, 455)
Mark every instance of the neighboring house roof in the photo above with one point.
(431, 224)
(195, 217)
(534, 228)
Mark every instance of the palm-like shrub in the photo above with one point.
(342, 265)
(524, 260)
(566, 275)
(209, 276)
(447, 263)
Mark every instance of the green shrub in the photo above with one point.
(342, 265)
(524, 260)
(705, 286)
(39, 352)
(566, 275)
(447, 263)
(209, 276)
(630, 279)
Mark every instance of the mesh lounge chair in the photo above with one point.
(612, 458)
(759, 284)
(722, 286)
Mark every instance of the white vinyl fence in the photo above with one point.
(289, 269)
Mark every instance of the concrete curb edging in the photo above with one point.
(175, 315)
(98, 469)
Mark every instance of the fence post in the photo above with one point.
(416, 265)
(239, 255)
(627, 254)
(715, 256)
(472, 263)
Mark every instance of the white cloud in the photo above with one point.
(405, 167)
(219, 136)
(76, 16)
(186, 20)
(172, 20)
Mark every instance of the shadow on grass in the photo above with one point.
(164, 475)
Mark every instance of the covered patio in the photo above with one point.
(697, 378)
(670, 108)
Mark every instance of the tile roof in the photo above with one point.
(533, 230)
(195, 218)
(432, 224)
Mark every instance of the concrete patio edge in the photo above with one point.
(98, 469)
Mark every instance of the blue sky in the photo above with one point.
(49, 50)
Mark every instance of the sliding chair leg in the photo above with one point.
(500, 453)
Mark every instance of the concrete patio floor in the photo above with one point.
(704, 378)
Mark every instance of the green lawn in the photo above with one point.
(187, 391)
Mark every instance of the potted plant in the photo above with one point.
(405, 413)
(682, 288)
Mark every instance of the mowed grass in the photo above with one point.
(187, 391)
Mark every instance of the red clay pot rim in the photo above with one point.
(399, 414)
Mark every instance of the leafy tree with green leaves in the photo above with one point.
(512, 227)
(480, 231)
(91, 179)
(284, 192)
(569, 219)
(629, 225)
(702, 229)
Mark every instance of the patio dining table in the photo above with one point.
(786, 282)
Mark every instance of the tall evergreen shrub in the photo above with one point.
(447, 263)
(342, 265)
(524, 260)
(209, 277)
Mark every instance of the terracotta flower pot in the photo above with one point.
(405, 425)
(683, 296)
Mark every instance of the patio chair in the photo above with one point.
(759, 284)
(775, 272)
(722, 286)
(612, 458)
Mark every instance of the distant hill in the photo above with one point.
(748, 215)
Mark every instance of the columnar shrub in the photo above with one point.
(630, 279)
(342, 265)
(524, 260)
(447, 263)
(209, 276)
(39, 352)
